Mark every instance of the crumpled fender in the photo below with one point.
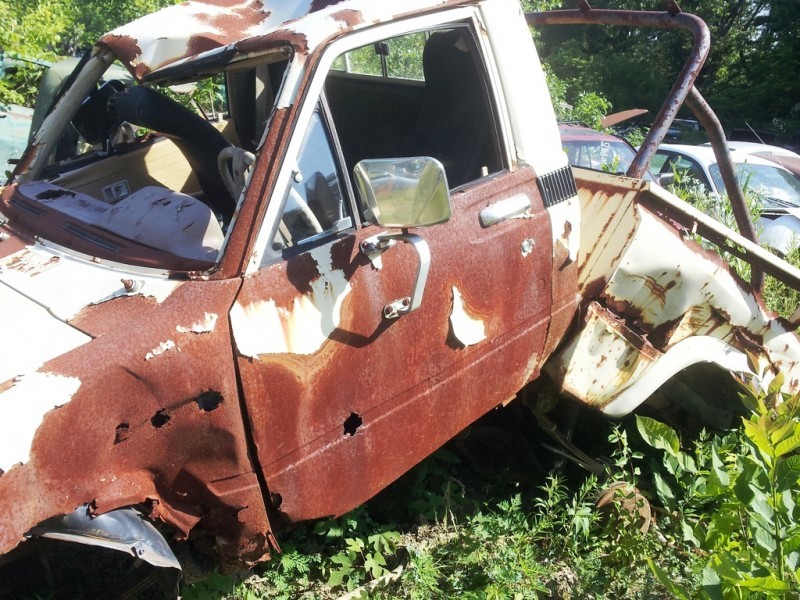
(145, 414)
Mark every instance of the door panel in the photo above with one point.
(342, 401)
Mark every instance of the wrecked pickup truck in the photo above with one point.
(216, 328)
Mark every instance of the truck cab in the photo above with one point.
(223, 324)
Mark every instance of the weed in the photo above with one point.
(737, 505)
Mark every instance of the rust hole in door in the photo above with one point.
(352, 423)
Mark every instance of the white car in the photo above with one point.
(783, 156)
(777, 187)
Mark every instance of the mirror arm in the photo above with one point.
(374, 246)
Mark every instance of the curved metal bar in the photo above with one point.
(682, 91)
(658, 20)
(716, 136)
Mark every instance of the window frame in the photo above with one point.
(263, 255)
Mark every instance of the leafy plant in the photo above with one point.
(749, 527)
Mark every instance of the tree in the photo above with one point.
(751, 41)
(42, 31)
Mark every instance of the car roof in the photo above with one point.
(760, 149)
(199, 29)
(705, 155)
(574, 132)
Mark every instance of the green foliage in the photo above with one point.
(47, 30)
(778, 296)
(734, 497)
(635, 68)
(590, 108)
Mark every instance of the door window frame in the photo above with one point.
(263, 254)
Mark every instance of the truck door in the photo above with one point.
(341, 398)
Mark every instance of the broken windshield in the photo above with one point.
(145, 173)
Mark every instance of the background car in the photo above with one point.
(591, 149)
(777, 189)
(782, 156)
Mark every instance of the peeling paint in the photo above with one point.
(206, 325)
(468, 331)
(160, 349)
(65, 284)
(265, 328)
(30, 335)
(24, 405)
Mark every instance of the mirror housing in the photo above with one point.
(403, 192)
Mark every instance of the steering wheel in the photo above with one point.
(305, 211)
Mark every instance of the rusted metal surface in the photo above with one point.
(650, 314)
(190, 29)
(123, 430)
(342, 401)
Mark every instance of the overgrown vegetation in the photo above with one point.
(710, 515)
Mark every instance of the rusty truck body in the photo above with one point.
(216, 327)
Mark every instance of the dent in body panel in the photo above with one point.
(662, 293)
(262, 327)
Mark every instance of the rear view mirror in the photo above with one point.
(403, 192)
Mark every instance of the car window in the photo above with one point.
(426, 95)
(687, 168)
(770, 182)
(397, 58)
(315, 204)
(600, 155)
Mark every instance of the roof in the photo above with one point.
(198, 28)
(705, 154)
(574, 132)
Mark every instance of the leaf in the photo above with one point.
(658, 435)
(356, 545)
(337, 577)
(756, 433)
(777, 383)
(665, 493)
(788, 445)
(689, 535)
(787, 473)
(667, 582)
(687, 463)
(764, 540)
(718, 469)
(781, 433)
(375, 563)
(767, 585)
(712, 585)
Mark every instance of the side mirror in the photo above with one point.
(403, 192)
(666, 179)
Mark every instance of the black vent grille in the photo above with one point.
(557, 186)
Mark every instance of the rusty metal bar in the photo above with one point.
(682, 91)
(705, 115)
(658, 20)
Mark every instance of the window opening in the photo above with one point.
(315, 205)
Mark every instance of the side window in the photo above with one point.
(421, 94)
(398, 58)
(690, 168)
(316, 203)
